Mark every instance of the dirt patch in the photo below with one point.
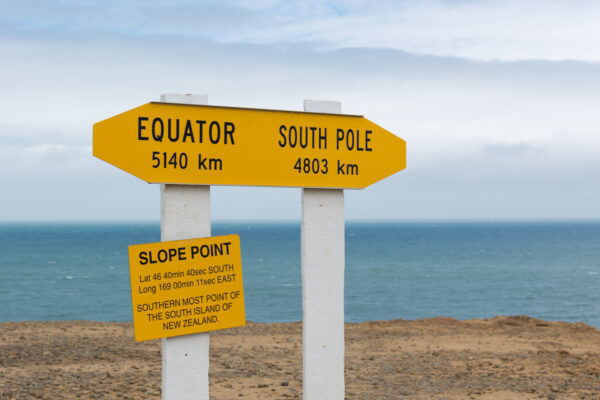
(441, 358)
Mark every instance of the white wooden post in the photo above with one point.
(323, 262)
(185, 214)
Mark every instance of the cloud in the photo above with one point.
(486, 30)
(509, 150)
(485, 138)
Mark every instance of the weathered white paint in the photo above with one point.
(185, 214)
(323, 263)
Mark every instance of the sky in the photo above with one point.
(498, 101)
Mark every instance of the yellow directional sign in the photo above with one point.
(186, 286)
(190, 144)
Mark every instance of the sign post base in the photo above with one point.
(323, 261)
(185, 214)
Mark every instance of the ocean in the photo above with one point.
(548, 270)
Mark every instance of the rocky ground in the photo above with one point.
(440, 358)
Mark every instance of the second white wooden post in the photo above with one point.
(323, 262)
(185, 214)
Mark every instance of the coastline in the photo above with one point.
(499, 358)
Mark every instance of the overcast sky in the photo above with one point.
(499, 101)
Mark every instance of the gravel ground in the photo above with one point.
(441, 358)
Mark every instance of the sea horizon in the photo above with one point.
(548, 269)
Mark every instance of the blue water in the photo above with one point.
(548, 270)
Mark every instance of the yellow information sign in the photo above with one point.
(186, 286)
(191, 144)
